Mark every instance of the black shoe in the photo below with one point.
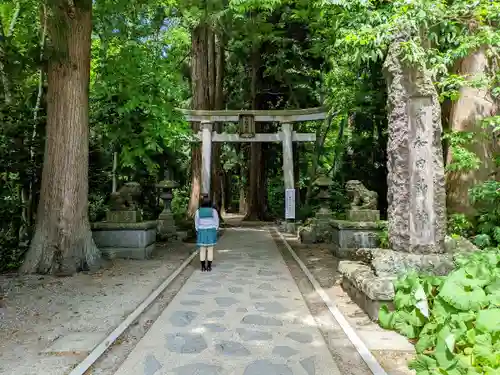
(209, 268)
(203, 268)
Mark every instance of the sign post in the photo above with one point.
(290, 204)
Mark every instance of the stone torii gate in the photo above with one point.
(247, 119)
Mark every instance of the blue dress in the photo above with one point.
(206, 236)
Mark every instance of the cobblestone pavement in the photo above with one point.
(246, 317)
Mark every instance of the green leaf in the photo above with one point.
(402, 322)
(483, 351)
(463, 294)
(385, 317)
(423, 365)
(488, 320)
(403, 299)
(426, 342)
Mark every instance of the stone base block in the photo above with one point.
(166, 228)
(290, 227)
(128, 252)
(307, 235)
(367, 290)
(386, 262)
(348, 253)
(125, 240)
(123, 216)
(348, 234)
(363, 215)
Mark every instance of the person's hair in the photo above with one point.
(205, 201)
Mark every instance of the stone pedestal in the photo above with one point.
(166, 226)
(166, 223)
(363, 215)
(318, 229)
(349, 236)
(290, 227)
(369, 281)
(366, 289)
(125, 240)
(125, 216)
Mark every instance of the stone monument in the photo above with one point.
(416, 193)
(123, 206)
(124, 234)
(362, 226)
(364, 202)
(318, 229)
(166, 223)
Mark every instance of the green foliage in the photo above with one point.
(460, 225)
(136, 84)
(463, 159)
(486, 197)
(179, 205)
(276, 196)
(454, 320)
(383, 236)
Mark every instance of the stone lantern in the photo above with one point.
(319, 229)
(323, 183)
(166, 223)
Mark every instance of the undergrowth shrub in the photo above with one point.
(453, 320)
(486, 199)
(179, 205)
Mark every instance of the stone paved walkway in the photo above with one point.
(246, 317)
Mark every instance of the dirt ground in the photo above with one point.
(40, 309)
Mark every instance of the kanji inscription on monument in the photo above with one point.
(421, 218)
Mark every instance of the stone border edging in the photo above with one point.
(99, 350)
(351, 334)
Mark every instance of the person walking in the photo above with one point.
(206, 222)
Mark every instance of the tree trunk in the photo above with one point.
(218, 103)
(62, 243)
(255, 194)
(201, 100)
(466, 114)
(3, 74)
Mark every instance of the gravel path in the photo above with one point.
(43, 310)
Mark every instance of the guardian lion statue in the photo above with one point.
(126, 198)
(362, 198)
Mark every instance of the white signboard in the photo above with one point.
(290, 204)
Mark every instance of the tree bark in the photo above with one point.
(201, 100)
(473, 105)
(3, 74)
(62, 243)
(218, 66)
(255, 196)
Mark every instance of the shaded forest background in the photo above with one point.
(149, 57)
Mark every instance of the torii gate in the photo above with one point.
(247, 119)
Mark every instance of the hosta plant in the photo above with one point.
(453, 320)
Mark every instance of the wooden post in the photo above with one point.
(288, 178)
(206, 155)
